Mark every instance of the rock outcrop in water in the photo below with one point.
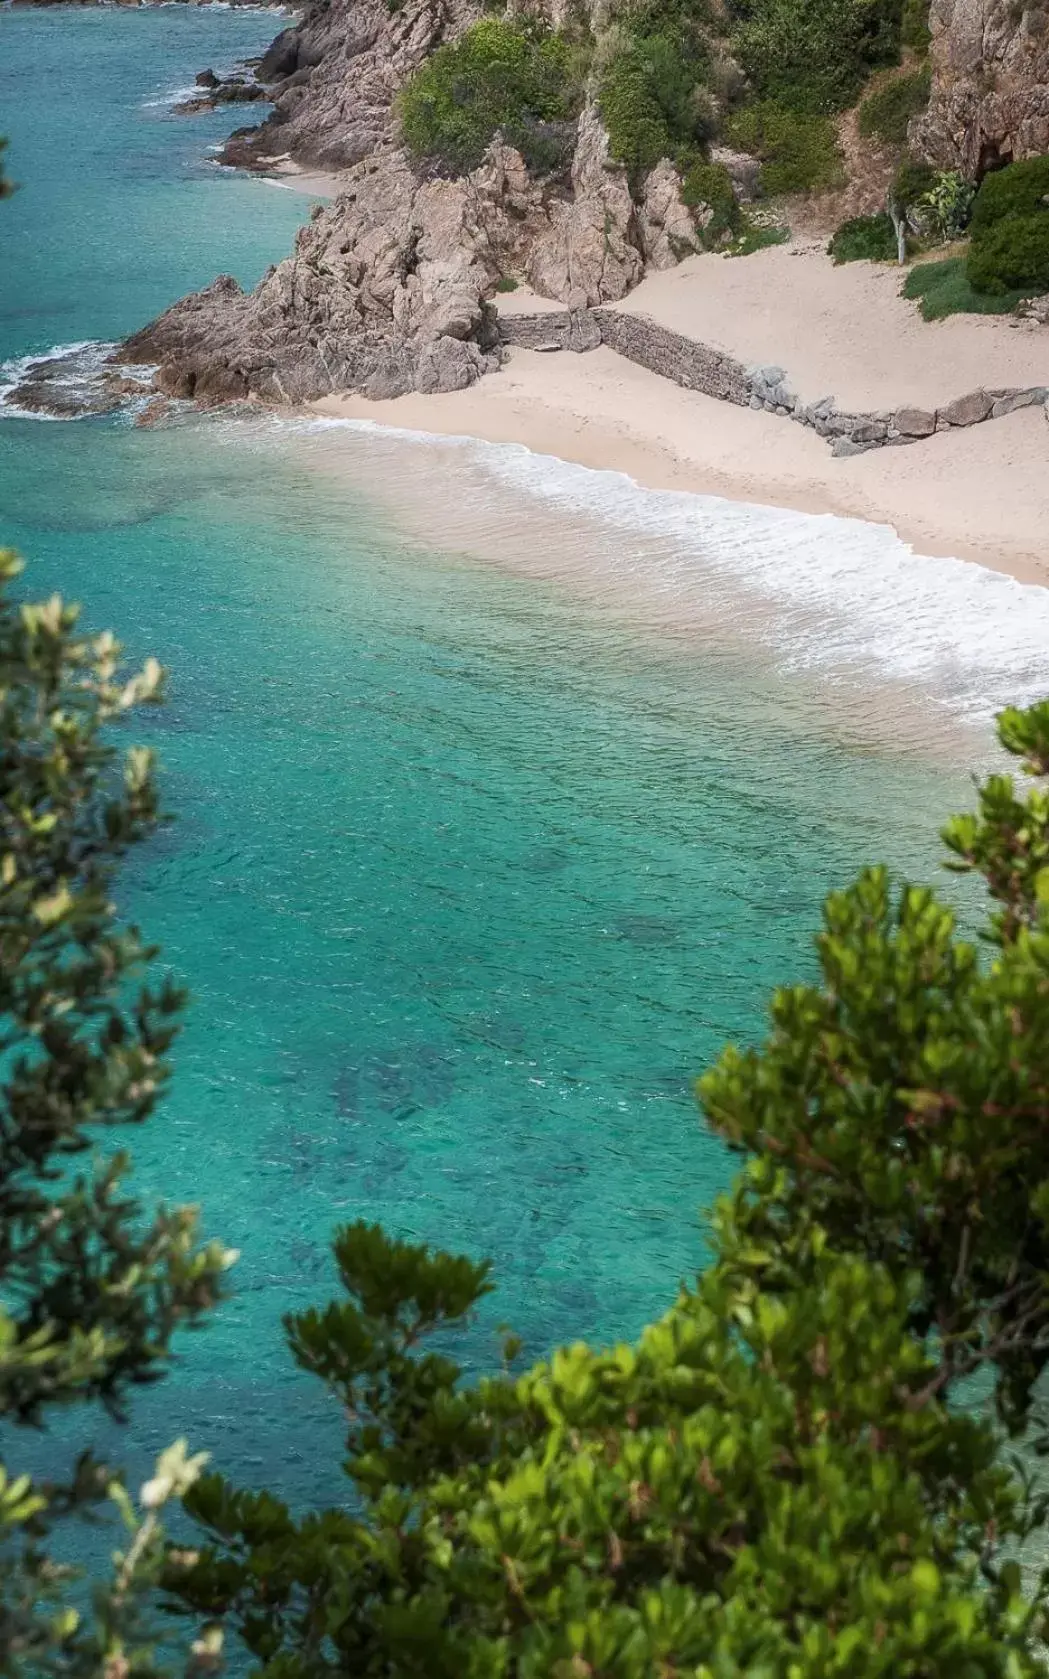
(990, 86)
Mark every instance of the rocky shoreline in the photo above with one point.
(389, 289)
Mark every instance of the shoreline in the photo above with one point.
(979, 495)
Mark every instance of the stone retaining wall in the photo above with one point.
(699, 368)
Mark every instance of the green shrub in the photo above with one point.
(911, 182)
(507, 283)
(653, 102)
(884, 115)
(865, 239)
(943, 210)
(784, 1476)
(815, 57)
(798, 153)
(710, 185)
(757, 236)
(915, 33)
(1021, 189)
(1011, 256)
(495, 77)
(943, 288)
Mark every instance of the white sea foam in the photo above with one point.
(77, 371)
(171, 96)
(821, 591)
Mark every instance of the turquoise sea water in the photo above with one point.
(474, 867)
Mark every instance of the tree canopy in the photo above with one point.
(92, 1285)
(792, 1472)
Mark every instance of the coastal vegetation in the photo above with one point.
(865, 239)
(885, 114)
(1009, 250)
(92, 1284)
(777, 1476)
(498, 77)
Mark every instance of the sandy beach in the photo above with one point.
(980, 493)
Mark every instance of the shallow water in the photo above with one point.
(475, 866)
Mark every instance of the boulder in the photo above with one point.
(966, 410)
(666, 227)
(743, 171)
(914, 422)
(589, 253)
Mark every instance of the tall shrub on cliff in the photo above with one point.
(92, 1285)
(814, 58)
(784, 1476)
(499, 77)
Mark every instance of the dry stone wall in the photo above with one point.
(698, 367)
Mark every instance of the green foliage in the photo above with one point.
(1011, 256)
(1009, 253)
(943, 210)
(1022, 189)
(943, 288)
(911, 182)
(915, 33)
(708, 186)
(886, 113)
(780, 1476)
(865, 239)
(506, 283)
(92, 1286)
(798, 153)
(814, 58)
(652, 95)
(497, 77)
(757, 236)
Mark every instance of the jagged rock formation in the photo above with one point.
(990, 91)
(386, 290)
(333, 77)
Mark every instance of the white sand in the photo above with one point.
(981, 493)
(313, 182)
(839, 331)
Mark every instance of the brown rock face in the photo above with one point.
(334, 75)
(590, 252)
(387, 289)
(990, 93)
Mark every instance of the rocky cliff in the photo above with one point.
(990, 84)
(386, 289)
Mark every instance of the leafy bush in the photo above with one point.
(495, 77)
(710, 185)
(943, 210)
(781, 1476)
(798, 153)
(886, 113)
(757, 236)
(915, 33)
(943, 288)
(1021, 189)
(653, 101)
(93, 1284)
(911, 182)
(865, 239)
(1011, 255)
(815, 57)
(506, 283)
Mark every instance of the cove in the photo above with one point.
(469, 876)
